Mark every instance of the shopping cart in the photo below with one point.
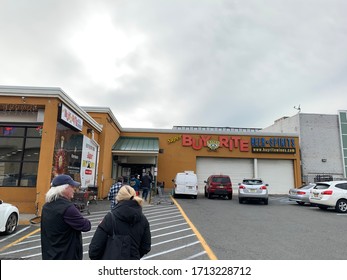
(81, 201)
(93, 194)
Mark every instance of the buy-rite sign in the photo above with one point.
(230, 142)
(254, 144)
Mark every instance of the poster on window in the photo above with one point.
(88, 163)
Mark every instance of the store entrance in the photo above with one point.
(135, 169)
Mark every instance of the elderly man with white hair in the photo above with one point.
(61, 222)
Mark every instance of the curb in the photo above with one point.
(24, 219)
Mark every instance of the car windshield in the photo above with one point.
(223, 180)
(252, 182)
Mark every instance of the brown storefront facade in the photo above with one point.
(44, 130)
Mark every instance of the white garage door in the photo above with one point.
(279, 174)
(236, 168)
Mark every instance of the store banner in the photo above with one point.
(88, 163)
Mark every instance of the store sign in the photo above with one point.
(18, 108)
(229, 142)
(88, 164)
(69, 117)
(278, 145)
(255, 144)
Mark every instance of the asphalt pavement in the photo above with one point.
(173, 237)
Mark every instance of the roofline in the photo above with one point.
(179, 131)
(54, 92)
(138, 153)
(106, 110)
(318, 114)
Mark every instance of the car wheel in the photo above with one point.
(240, 200)
(300, 202)
(209, 196)
(230, 196)
(266, 201)
(195, 196)
(11, 223)
(341, 206)
(205, 193)
(323, 207)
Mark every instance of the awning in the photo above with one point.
(136, 146)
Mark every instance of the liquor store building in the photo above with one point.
(44, 131)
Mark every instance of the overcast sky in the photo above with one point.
(160, 63)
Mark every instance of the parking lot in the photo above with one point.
(172, 237)
(281, 230)
(233, 231)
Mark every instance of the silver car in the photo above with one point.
(253, 189)
(301, 195)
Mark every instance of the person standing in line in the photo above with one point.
(128, 221)
(114, 191)
(146, 185)
(135, 183)
(61, 222)
(150, 175)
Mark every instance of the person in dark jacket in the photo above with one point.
(61, 222)
(135, 183)
(129, 220)
(146, 185)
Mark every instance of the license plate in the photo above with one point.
(221, 187)
(190, 187)
(253, 190)
(315, 194)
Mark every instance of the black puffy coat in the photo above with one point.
(129, 221)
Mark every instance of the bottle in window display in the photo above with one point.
(60, 158)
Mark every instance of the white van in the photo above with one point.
(186, 183)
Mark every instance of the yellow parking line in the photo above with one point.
(204, 244)
(20, 239)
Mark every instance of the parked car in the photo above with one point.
(9, 216)
(185, 183)
(301, 195)
(218, 185)
(330, 194)
(253, 189)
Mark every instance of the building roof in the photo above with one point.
(55, 92)
(105, 110)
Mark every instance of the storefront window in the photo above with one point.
(19, 155)
(68, 152)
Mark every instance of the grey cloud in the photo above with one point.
(214, 63)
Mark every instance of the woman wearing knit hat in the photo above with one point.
(126, 219)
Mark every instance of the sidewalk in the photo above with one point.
(24, 219)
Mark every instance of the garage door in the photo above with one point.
(279, 174)
(237, 169)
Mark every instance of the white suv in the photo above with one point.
(330, 194)
(253, 189)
